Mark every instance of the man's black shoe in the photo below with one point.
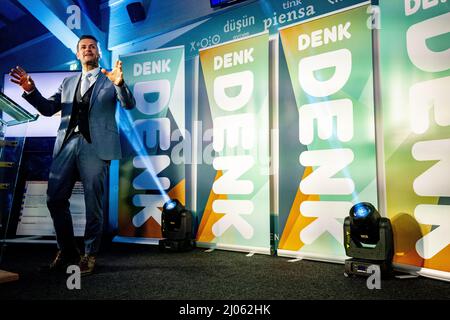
(87, 265)
(60, 263)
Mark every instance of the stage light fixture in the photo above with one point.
(368, 240)
(364, 223)
(176, 227)
(171, 204)
(136, 12)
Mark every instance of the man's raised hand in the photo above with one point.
(116, 74)
(21, 78)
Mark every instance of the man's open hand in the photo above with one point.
(21, 78)
(116, 74)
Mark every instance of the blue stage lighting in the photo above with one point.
(170, 205)
(176, 227)
(364, 220)
(368, 240)
(362, 210)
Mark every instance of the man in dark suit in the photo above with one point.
(86, 142)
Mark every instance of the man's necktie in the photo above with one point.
(85, 83)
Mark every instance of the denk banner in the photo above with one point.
(152, 170)
(415, 92)
(233, 194)
(327, 148)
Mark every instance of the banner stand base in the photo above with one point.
(123, 239)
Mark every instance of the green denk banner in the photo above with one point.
(327, 133)
(153, 167)
(233, 196)
(415, 88)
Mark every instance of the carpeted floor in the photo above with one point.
(129, 271)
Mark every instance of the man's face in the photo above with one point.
(88, 52)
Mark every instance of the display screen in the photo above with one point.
(220, 3)
(47, 83)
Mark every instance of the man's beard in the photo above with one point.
(92, 63)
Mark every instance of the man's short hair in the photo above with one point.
(86, 36)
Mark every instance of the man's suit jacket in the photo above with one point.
(102, 108)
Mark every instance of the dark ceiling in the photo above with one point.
(18, 26)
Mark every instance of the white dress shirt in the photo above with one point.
(94, 75)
